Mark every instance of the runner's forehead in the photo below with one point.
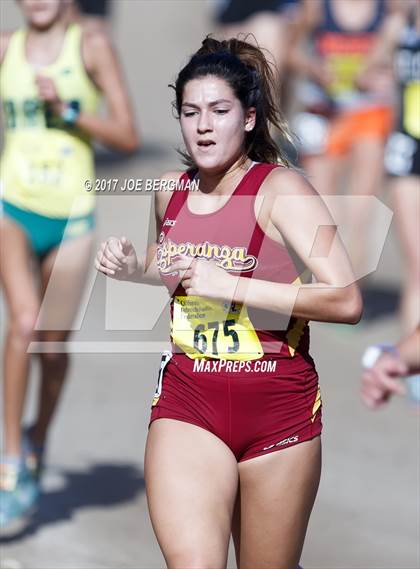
(207, 90)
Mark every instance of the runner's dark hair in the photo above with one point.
(246, 70)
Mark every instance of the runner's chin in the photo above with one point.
(211, 159)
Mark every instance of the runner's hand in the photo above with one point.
(378, 82)
(383, 380)
(200, 277)
(48, 93)
(117, 258)
(322, 73)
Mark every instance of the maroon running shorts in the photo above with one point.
(254, 408)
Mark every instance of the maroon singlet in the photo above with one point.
(246, 377)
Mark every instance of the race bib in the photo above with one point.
(166, 356)
(411, 118)
(43, 173)
(39, 165)
(214, 328)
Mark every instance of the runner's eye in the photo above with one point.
(221, 111)
(189, 113)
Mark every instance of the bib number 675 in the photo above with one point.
(200, 339)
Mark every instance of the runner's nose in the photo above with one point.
(204, 123)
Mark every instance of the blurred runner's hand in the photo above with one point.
(117, 258)
(383, 380)
(323, 74)
(48, 93)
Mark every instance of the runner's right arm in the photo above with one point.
(298, 57)
(4, 42)
(117, 257)
(409, 350)
(383, 379)
(381, 56)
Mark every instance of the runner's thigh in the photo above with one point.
(191, 483)
(16, 274)
(277, 494)
(63, 274)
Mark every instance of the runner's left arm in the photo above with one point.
(409, 351)
(380, 57)
(117, 129)
(383, 379)
(302, 218)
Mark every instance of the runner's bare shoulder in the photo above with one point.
(4, 43)
(286, 181)
(96, 45)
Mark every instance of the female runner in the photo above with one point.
(266, 20)
(51, 76)
(234, 440)
(342, 126)
(399, 43)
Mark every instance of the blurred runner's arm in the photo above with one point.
(379, 61)
(409, 350)
(298, 57)
(383, 378)
(118, 128)
(4, 42)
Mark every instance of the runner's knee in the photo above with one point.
(22, 326)
(54, 360)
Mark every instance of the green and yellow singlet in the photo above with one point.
(45, 162)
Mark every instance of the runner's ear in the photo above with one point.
(250, 116)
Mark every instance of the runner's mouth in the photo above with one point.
(205, 143)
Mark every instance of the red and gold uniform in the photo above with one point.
(242, 373)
